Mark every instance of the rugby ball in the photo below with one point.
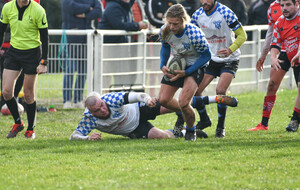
(176, 62)
(5, 110)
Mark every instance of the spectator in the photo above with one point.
(257, 14)
(77, 15)
(117, 16)
(238, 7)
(138, 11)
(190, 6)
(155, 10)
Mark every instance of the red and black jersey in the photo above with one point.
(274, 12)
(287, 32)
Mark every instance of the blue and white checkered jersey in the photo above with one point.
(218, 27)
(123, 119)
(191, 43)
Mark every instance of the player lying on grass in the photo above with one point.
(124, 113)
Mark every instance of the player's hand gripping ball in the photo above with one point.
(176, 62)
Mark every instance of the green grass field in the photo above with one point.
(243, 160)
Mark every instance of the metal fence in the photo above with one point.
(136, 65)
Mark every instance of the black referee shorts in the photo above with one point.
(28, 60)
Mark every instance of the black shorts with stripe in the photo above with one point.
(28, 60)
(216, 69)
(146, 113)
(286, 64)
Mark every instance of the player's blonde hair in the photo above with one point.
(175, 11)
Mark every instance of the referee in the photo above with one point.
(29, 31)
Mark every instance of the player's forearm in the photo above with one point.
(164, 54)
(240, 39)
(267, 44)
(44, 40)
(134, 97)
(78, 136)
(205, 57)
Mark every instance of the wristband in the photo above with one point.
(44, 62)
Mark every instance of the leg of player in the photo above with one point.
(185, 97)
(270, 98)
(199, 102)
(19, 84)
(204, 118)
(295, 120)
(222, 86)
(29, 96)
(166, 99)
(156, 133)
(9, 79)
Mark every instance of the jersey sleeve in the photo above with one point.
(269, 15)
(86, 125)
(276, 39)
(230, 17)
(3, 17)
(197, 38)
(115, 99)
(195, 17)
(42, 19)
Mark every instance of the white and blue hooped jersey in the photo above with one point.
(191, 43)
(124, 118)
(218, 27)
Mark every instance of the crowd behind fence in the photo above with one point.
(135, 65)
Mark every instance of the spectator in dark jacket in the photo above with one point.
(77, 15)
(190, 6)
(257, 14)
(238, 7)
(116, 17)
(155, 10)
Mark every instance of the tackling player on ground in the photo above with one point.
(124, 113)
(120, 113)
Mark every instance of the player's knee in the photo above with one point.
(7, 94)
(156, 133)
(29, 98)
(183, 102)
(163, 101)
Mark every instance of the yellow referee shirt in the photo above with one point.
(24, 30)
